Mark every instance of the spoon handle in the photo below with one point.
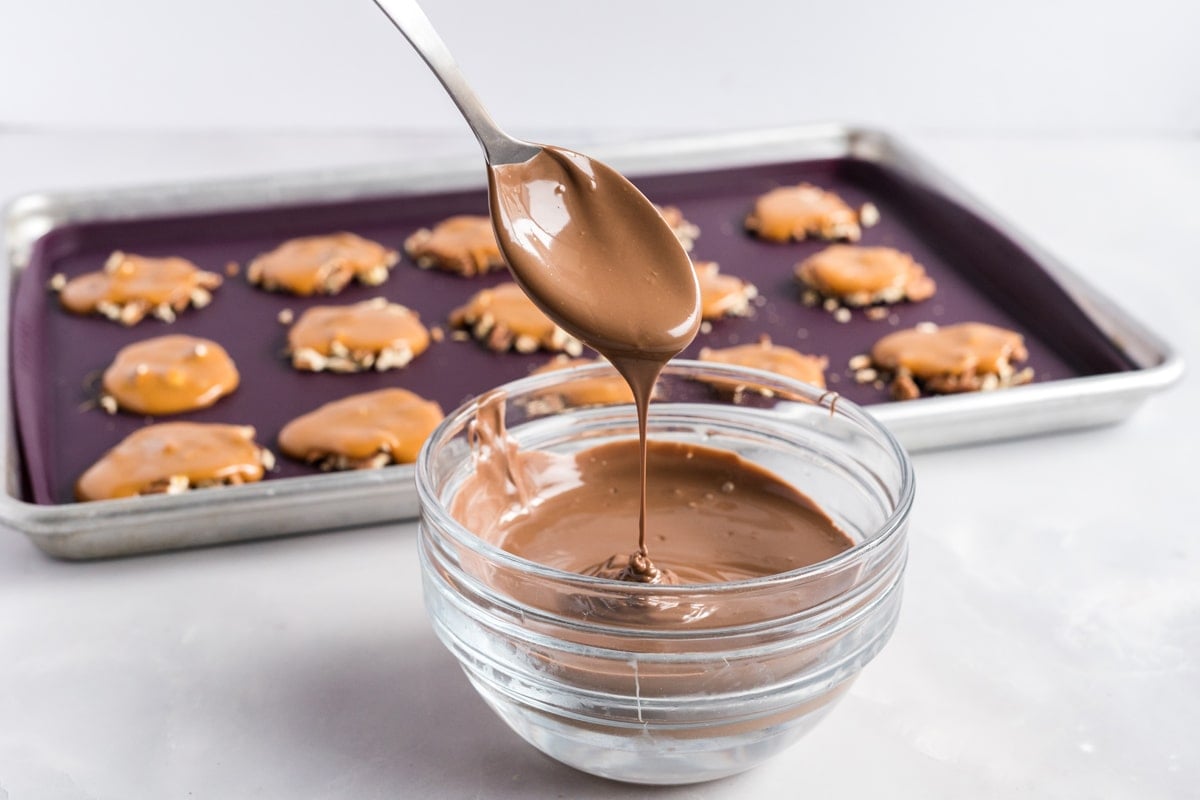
(498, 147)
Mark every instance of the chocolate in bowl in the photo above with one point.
(672, 684)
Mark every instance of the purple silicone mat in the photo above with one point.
(57, 357)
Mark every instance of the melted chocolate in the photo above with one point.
(716, 516)
(599, 259)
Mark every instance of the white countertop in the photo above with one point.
(1049, 645)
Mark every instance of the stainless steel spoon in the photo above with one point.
(498, 146)
(592, 252)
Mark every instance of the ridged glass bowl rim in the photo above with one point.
(434, 512)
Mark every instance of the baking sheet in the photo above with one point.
(982, 272)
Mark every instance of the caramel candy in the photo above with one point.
(861, 276)
(168, 375)
(772, 358)
(722, 295)
(130, 287)
(172, 457)
(504, 318)
(363, 431)
(465, 245)
(373, 334)
(968, 357)
(686, 232)
(321, 264)
(799, 212)
(600, 391)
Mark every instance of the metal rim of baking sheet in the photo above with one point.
(349, 499)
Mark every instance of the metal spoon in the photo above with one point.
(498, 146)
(586, 246)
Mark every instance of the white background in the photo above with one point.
(1020, 66)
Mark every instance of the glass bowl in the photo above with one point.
(685, 683)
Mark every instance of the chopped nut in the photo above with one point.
(108, 403)
(393, 357)
(525, 344)
(57, 282)
(286, 316)
(868, 215)
(876, 313)
(177, 484)
(200, 297)
(232, 269)
(161, 311)
(375, 275)
(341, 365)
(498, 338)
(308, 359)
(379, 460)
(842, 315)
(133, 313)
(904, 388)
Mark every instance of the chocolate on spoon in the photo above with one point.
(587, 247)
